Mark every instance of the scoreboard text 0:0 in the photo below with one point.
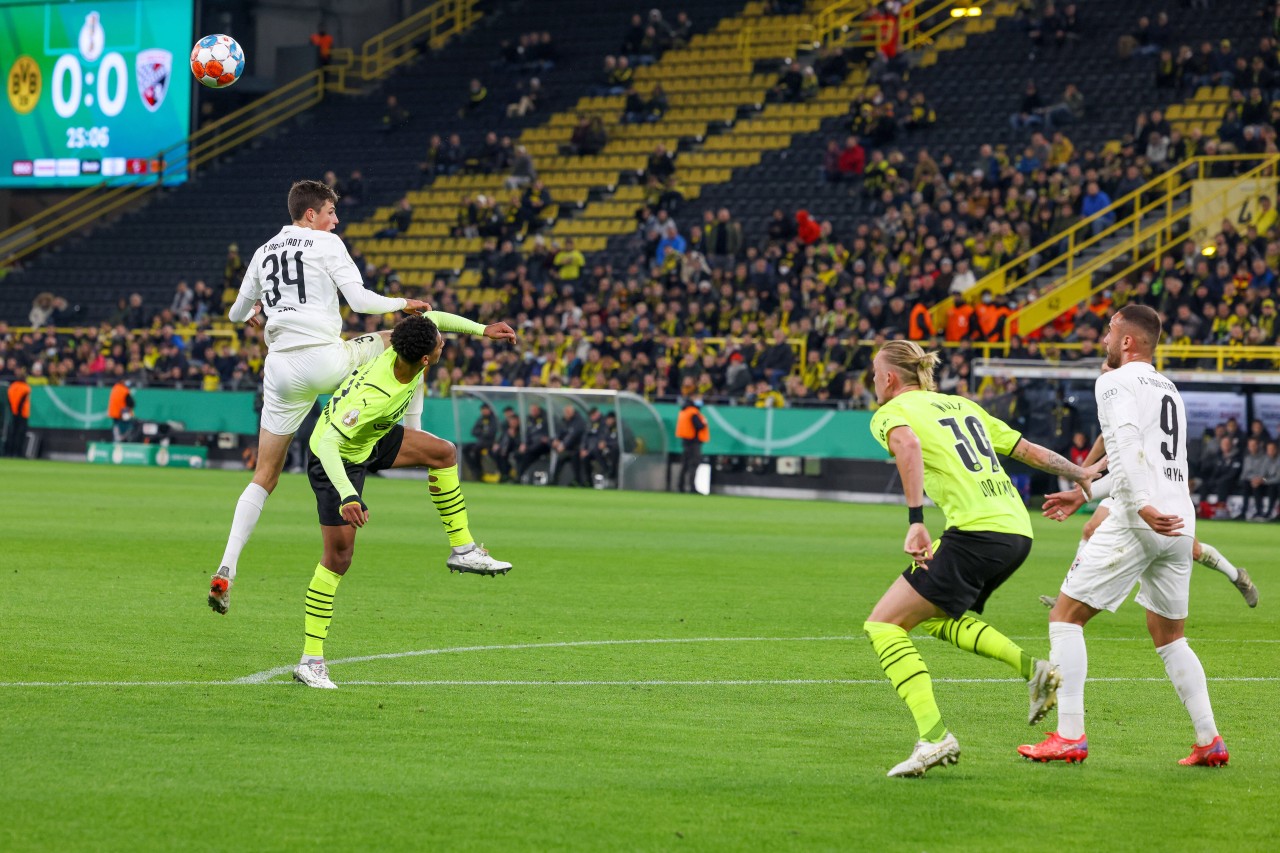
(92, 89)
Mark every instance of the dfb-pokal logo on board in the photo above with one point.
(153, 67)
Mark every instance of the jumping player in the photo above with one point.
(358, 434)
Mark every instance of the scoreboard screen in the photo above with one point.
(94, 90)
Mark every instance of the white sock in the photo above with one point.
(248, 509)
(1211, 558)
(306, 659)
(464, 549)
(1067, 652)
(1187, 675)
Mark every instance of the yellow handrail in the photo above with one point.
(836, 19)
(916, 31)
(752, 45)
(1158, 236)
(1083, 235)
(378, 56)
(396, 45)
(1051, 352)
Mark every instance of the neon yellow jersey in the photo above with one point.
(365, 407)
(962, 473)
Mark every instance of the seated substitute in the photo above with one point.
(358, 434)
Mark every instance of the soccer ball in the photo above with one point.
(217, 61)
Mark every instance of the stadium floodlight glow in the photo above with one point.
(966, 11)
(1209, 251)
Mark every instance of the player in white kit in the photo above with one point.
(294, 279)
(1059, 505)
(1146, 540)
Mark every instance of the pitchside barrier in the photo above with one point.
(735, 430)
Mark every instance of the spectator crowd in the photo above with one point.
(786, 315)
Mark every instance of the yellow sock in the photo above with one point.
(319, 608)
(446, 494)
(974, 635)
(908, 675)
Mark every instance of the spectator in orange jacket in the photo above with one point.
(120, 410)
(991, 318)
(693, 432)
(959, 321)
(920, 324)
(19, 413)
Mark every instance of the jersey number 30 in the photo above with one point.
(278, 268)
(965, 446)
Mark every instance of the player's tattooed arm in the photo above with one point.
(1054, 463)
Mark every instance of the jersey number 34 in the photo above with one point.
(278, 272)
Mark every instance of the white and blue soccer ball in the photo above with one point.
(217, 61)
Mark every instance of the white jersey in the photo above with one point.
(1144, 425)
(297, 274)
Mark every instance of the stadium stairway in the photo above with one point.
(706, 84)
(183, 233)
(709, 85)
(974, 91)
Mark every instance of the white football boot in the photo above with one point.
(1043, 690)
(477, 562)
(926, 755)
(314, 674)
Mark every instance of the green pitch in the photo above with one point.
(658, 672)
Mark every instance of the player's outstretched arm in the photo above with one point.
(447, 322)
(1054, 463)
(327, 448)
(368, 302)
(904, 444)
(1060, 505)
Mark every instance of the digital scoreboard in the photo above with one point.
(93, 90)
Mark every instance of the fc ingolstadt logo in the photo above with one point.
(153, 67)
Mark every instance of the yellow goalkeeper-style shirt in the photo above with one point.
(368, 405)
(962, 473)
(365, 407)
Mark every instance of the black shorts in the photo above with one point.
(967, 566)
(328, 501)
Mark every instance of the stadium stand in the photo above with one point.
(694, 262)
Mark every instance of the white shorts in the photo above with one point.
(1115, 558)
(292, 379)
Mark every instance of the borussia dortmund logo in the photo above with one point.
(25, 84)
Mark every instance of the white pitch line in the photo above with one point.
(268, 674)
(737, 682)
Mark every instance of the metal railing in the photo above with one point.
(1063, 255)
(1143, 245)
(845, 23)
(1214, 358)
(919, 26)
(768, 39)
(378, 57)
